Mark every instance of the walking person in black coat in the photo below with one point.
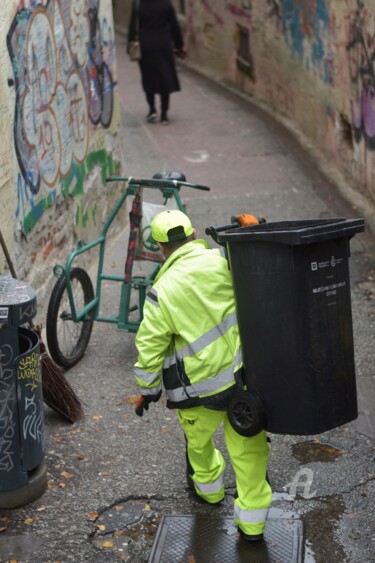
(160, 37)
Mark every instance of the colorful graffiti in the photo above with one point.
(62, 61)
(305, 26)
(361, 57)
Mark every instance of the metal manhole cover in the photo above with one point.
(202, 539)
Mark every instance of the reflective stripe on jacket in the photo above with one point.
(189, 334)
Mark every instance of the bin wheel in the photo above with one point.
(246, 413)
(67, 340)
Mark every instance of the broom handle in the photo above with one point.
(7, 255)
(10, 264)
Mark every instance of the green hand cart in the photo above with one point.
(74, 305)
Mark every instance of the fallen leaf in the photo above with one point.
(100, 527)
(118, 507)
(62, 485)
(164, 429)
(28, 521)
(66, 475)
(93, 515)
(82, 458)
(41, 509)
(57, 439)
(3, 529)
(107, 544)
(96, 417)
(104, 473)
(147, 507)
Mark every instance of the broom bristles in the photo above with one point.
(57, 392)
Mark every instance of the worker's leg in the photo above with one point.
(207, 463)
(249, 458)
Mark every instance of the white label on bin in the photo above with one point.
(329, 289)
(3, 313)
(332, 262)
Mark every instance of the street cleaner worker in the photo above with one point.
(189, 344)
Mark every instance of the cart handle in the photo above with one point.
(156, 183)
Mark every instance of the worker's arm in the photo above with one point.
(153, 342)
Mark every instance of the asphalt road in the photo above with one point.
(113, 475)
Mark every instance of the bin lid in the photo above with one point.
(17, 301)
(295, 232)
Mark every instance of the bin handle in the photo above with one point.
(212, 231)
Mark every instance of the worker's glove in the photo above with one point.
(144, 400)
(246, 220)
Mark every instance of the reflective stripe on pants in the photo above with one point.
(248, 457)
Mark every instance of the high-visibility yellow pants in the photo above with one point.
(248, 457)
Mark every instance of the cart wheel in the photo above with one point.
(67, 340)
(246, 413)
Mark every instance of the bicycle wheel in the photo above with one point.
(67, 340)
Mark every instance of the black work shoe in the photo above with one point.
(152, 116)
(250, 537)
(164, 119)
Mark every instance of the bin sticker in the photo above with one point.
(332, 262)
(3, 313)
(329, 289)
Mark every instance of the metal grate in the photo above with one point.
(181, 539)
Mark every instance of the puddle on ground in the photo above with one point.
(328, 512)
(310, 452)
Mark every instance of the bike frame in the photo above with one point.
(169, 189)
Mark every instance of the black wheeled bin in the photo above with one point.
(23, 475)
(292, 288)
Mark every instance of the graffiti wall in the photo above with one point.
(59, 115)
(311, 60)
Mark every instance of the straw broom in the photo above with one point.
(57, 392)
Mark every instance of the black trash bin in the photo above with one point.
(292, 290)
(23, 475)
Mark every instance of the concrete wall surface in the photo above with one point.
(121, 14)
(312, 62)
(60, 119)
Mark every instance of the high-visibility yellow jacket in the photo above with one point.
(189, 336)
